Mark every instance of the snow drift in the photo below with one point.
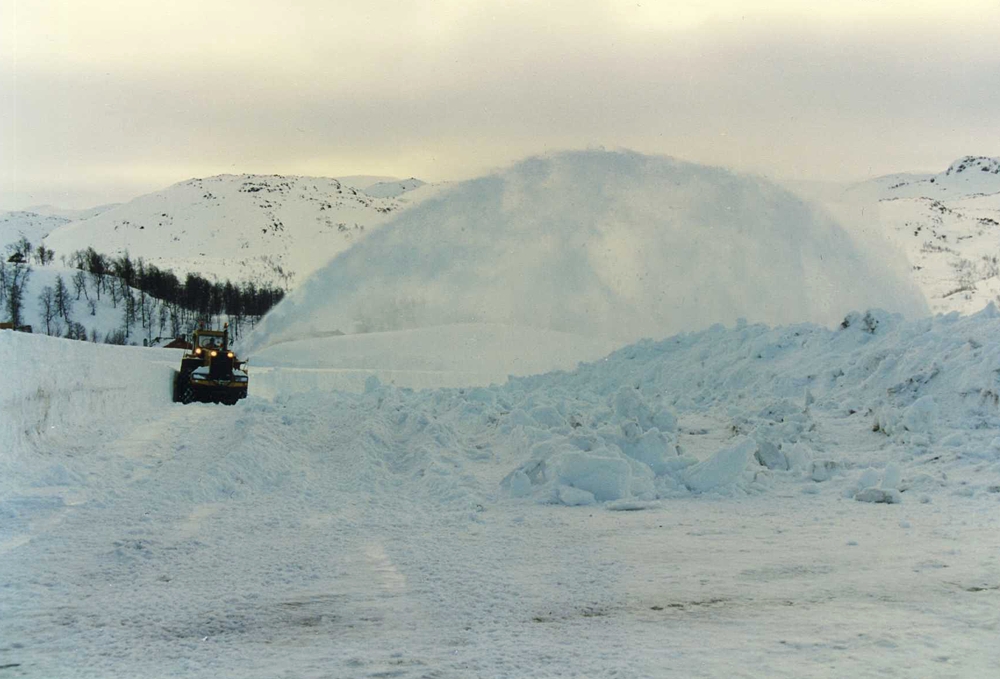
(609, 244)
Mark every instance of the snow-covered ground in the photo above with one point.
(482, 531)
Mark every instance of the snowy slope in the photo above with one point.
(614, 245)
(953, 245)
(393, 189)
(947, 224)
(414, 534)
(105, 317)
(70, 214)
(65, 395)
(243, 227)
(31, 225)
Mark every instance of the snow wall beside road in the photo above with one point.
(69, 391)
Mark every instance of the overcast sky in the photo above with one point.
(103, 100)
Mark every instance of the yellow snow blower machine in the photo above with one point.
(210, 371)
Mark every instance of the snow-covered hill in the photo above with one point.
(99, 315)
(25, 224)
(948, 224)
(265, 228)
(393, 189)
(70, 214)
(953, 246)
(599, 244)
(967, 176)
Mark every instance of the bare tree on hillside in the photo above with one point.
(17, 279)
(44, 255)
(97, 267)
(113, 289)
(47, 305)
(64, 305)
(80, 284)
(129, 311)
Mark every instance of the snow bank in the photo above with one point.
(66, 392)
(874, 409)
(877, 410)
(614, 245)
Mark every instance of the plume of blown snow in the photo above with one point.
(603, 244)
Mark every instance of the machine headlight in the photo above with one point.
(229, 354)
(214, 354)
(198, 350)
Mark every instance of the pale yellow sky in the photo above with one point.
(101, 101)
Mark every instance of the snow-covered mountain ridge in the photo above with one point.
(266, 228)
(70, 214)
(966, 176)
(974, 163)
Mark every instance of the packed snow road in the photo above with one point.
(426, 534)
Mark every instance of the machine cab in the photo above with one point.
(208, 341)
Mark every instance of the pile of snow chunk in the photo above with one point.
(878, 487)
(609, 444)
(625, 450)
(616, 450)
(911, 401)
